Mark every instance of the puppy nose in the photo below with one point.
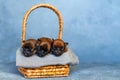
(57, 52)
(42, 51)
(26, 54)
(58, 49)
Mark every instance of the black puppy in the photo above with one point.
(59, 47)
(29, 47)
(43, 46)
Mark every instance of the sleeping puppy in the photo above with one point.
(29, 47)
(59, 47)
(43, 46)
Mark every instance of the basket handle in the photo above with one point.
(24, 23)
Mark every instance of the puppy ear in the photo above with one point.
(38, 39)
(23, 41)
(66, 43)
(37, 43)
(52, 39)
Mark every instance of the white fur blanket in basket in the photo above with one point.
(34, 61)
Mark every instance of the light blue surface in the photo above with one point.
(82, 72)
(92, 28)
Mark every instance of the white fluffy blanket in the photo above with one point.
(34, 61)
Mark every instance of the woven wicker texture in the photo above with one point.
(45, 71)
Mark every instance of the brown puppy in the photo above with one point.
(29, 47)
(43, 46)
(59, 47)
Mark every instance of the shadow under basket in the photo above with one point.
(45, 71)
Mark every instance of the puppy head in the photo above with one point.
(43, 46)
(29, 47)
(59, 47)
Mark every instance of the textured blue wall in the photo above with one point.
(92, 27)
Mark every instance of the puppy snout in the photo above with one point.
(26, 54)
(42, 53)
(57, 51)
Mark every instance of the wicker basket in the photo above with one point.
(44, 71)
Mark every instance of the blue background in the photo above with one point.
(92, 28)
